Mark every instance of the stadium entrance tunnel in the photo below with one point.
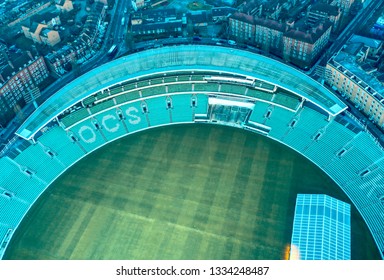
(193, 85)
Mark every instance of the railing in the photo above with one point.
(8, 146)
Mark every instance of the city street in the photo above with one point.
(360, 19)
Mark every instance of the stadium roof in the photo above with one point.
(177, 58)
(321, 228)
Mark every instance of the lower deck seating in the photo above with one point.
(320, 152)
(201, 106)
(158, 113)
(90, 136)
(182, 110)
(259, 112)
(18, 183)
(57, 140)
(362, 141)
(11, 211)
(135, 119)
(113, 127)
(279, 121)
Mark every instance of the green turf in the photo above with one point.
(180, 192)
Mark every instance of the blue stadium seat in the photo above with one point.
(113, 127)
(47, 168)
(258, 113)
(362, 141)
(279, 121)
(305, 125)
(90, 136)
(158, 114)
(337, 134)
(11, 211)
(181, 108)
(58, 141)
(135, 119)
(201, 104)
(21, 185)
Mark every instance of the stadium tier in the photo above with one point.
(187, 84)
(181, 110)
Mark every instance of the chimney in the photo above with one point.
(11, 64)
(290, 23)
(30, 55)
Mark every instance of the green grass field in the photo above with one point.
(180, 192)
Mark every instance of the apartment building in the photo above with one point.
(34, 27)
(345, 5)
(64, 5)
(156, 22)
(18, 81)
(302, 46)
(242, 27)
(4, 53)
(297, 43)
(354, 75)
(322, 12)
(269, 35)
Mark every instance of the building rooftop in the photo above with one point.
(15, 66)
(270, 23)
(181, 58)
(201, 17)
(222, 11)
(372, 43)
(346, 62)
(151, 16)
(353, 48)
(250, 6)
(60, 2)
(380, 21)
(243, 17)
(308, 35)
(44, 18)
(157, 25)
(45, 32)
(325, 8)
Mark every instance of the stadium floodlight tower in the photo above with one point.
(210, 84)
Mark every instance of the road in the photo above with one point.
(360, 19)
